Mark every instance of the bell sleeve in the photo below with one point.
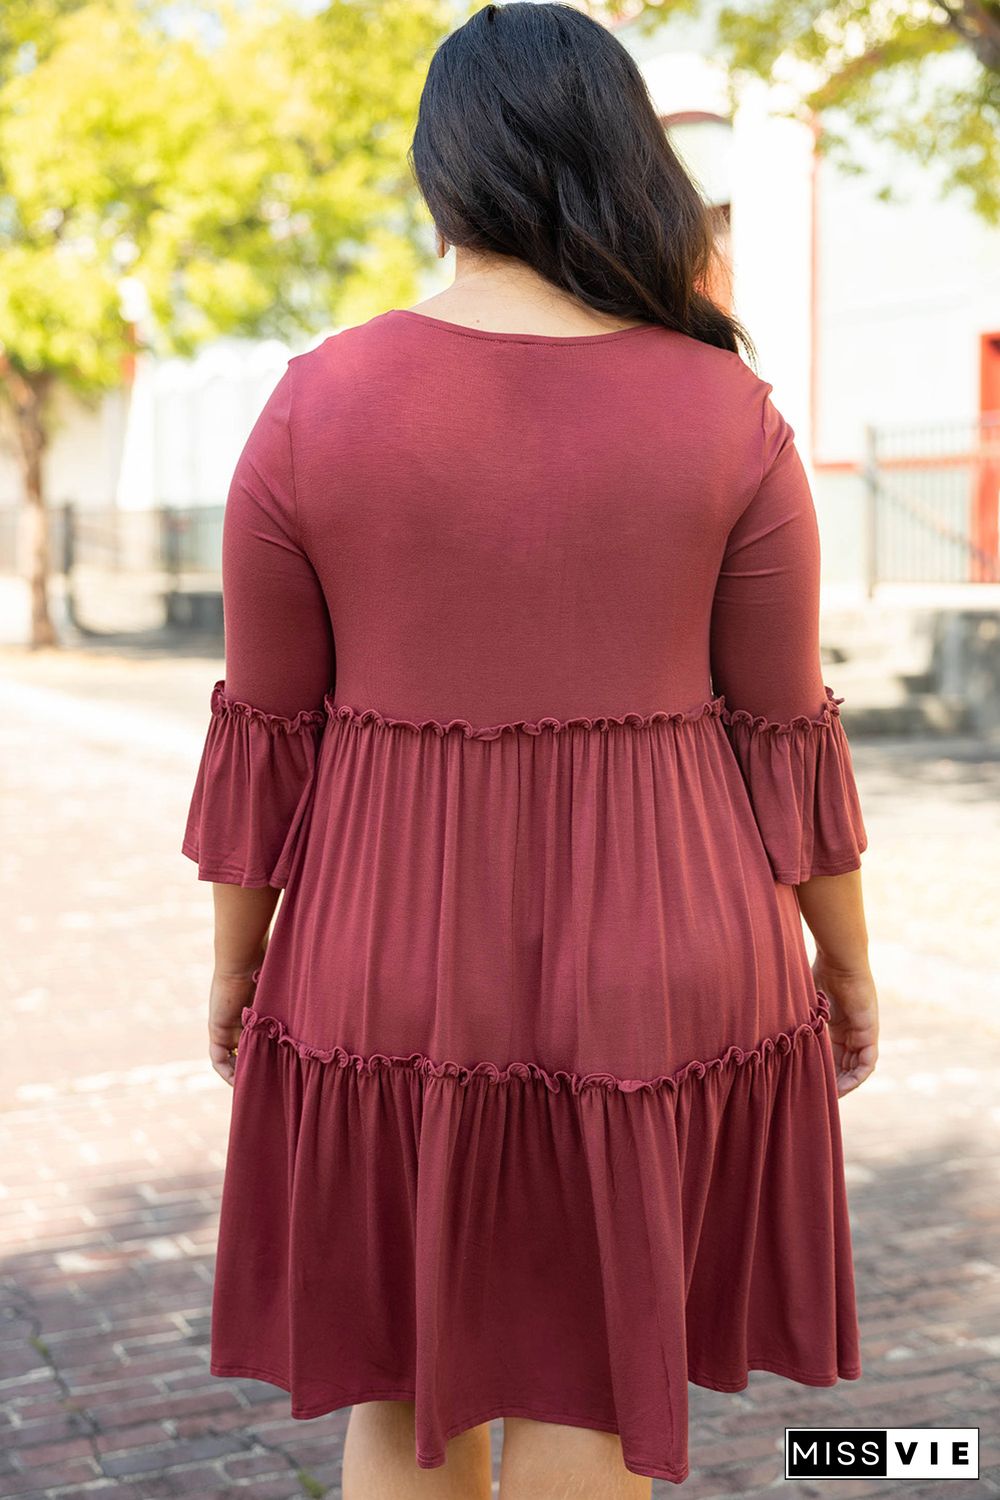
(253, 786)
(782, 719)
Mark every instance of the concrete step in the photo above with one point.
(923, 714)
(907, 668)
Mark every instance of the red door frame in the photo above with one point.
(986, 497)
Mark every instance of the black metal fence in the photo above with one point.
(122, 567)
(933, 503)
(179, 541)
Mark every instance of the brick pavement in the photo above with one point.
(113, 1126)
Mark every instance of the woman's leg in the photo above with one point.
(547, 1461)
(379, 1462)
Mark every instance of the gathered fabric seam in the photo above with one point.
(757, 722)
(223, 707)
(344, 712)
(715, 707)
(782, 1043)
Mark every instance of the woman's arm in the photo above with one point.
(785, 728)
(254, 783)
(242, 922)
(833, 908)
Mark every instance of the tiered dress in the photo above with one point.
(535, 1108)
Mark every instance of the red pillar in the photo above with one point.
(986, 496)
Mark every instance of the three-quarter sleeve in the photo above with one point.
(783, 721)
(251, 791)
(253, 785)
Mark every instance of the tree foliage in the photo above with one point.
(921, 75)
(244, 165)
(194, 169)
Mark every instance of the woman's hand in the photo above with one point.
(242, 932)
(227, 997)
(853, 1022)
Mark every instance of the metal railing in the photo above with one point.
(181, 542)
(933, 503)
(129, 569)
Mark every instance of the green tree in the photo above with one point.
(922, 75)
(243, 167)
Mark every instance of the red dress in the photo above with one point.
(535, 1108)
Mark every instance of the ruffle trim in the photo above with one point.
(828, 713)
(419, 1062)
(800, 779)
(224, 707)
(712, 707)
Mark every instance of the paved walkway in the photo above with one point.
(113, 1126)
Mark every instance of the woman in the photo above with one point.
(536, 1092)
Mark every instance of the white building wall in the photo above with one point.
(905, 290)
(772, 252)
(199, 413)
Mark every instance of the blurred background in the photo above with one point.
(191, 193)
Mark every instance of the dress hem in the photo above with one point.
(824, 867)
(435, 1461)
(536, 1414)
(225, 874)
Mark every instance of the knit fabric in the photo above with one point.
(535, 1107)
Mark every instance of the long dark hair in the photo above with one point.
(537, 138)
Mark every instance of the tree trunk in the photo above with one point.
(27, 395)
